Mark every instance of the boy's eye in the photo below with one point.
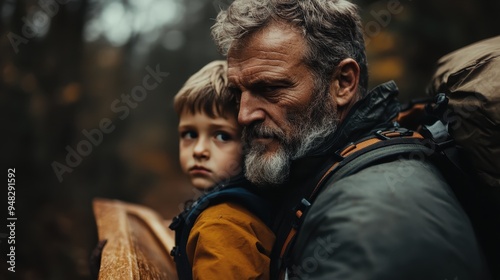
(189, 135)
(222, 136)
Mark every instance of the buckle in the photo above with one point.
(175, 251)
(299, 211)
(381, 136)
(396, 132)
(176, 222)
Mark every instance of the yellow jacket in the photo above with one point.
(229, 242)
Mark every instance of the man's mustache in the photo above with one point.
(259, 130)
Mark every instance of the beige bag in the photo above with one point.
(470, 77)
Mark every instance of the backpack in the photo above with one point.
(470, 78)
(238, 190)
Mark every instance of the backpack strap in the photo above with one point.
(241, 194)
(381, 146)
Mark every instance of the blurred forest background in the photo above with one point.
(65, 65)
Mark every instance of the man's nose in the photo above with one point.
(250, 109)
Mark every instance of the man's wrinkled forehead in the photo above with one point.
(276, 42)
(275, 35)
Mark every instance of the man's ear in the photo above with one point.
(346, 79)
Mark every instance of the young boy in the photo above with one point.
(227, 241)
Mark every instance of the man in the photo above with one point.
(299, 69)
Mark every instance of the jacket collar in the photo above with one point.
(375, 111)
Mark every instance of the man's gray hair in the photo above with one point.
(331, 28)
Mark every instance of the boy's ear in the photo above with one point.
(344, 87)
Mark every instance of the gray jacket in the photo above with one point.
(395, 220)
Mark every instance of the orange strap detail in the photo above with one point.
(289, 238)
(356, 147)
(298, 213)
(349, 150)
(410, 118)
(361, 145)
(396, 134)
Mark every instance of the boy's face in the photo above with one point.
(210, 148)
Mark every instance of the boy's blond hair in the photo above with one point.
(206, 92)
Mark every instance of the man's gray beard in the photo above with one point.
(265, 170)
(312, 128)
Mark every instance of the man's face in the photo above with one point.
(279, 106)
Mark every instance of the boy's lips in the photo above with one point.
(199, 170)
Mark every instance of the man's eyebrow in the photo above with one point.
(267, 80)
(262, 81)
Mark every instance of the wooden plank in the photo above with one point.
(138, 242)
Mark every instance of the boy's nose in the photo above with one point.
(201, 149)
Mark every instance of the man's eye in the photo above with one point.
(270, 89)
(223, 136)
(189, 135)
